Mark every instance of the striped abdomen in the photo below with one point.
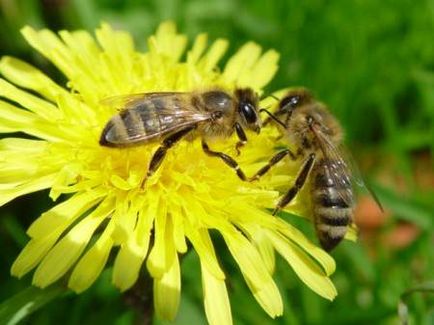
(144, 121)
(332, 213)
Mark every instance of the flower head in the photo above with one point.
(103, 209)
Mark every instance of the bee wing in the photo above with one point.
(343, 169)
(357, 176)
(338, 169)
(145, 117)
(122, 102)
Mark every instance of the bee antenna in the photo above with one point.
(272, 96)
(274, 118)
(275, 97)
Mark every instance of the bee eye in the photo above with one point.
(249, 113)
(290, 102)
(294, 101)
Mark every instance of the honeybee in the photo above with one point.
(317, 135)
(171, 116)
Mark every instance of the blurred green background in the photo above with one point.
(371, 61)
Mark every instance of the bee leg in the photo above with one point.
(299, 182)
(274, 160)
(228, 160)
(160, 153)
(242, 136)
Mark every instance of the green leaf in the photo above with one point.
(426, 287)
(24, 303)
(405, 208)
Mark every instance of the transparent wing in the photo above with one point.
(162, 124)
(343, 169)
(145, 117)
(121, 102)
(357, 176)
(337, 168)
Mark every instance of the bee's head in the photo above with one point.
(295, 98)
(248, 109)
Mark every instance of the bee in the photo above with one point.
(169, 117)
(318, 137)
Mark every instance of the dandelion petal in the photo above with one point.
(63, 214)
(33, 253)
(216, 300)
(66, 252)
(27, 76)
(268, 296)
(92, 263)
(162, 253)
(307, 270)
(127, 265)
(167, 292)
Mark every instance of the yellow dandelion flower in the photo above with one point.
(104, 211)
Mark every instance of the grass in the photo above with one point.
(372, 62)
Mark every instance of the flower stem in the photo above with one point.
(140, 298)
